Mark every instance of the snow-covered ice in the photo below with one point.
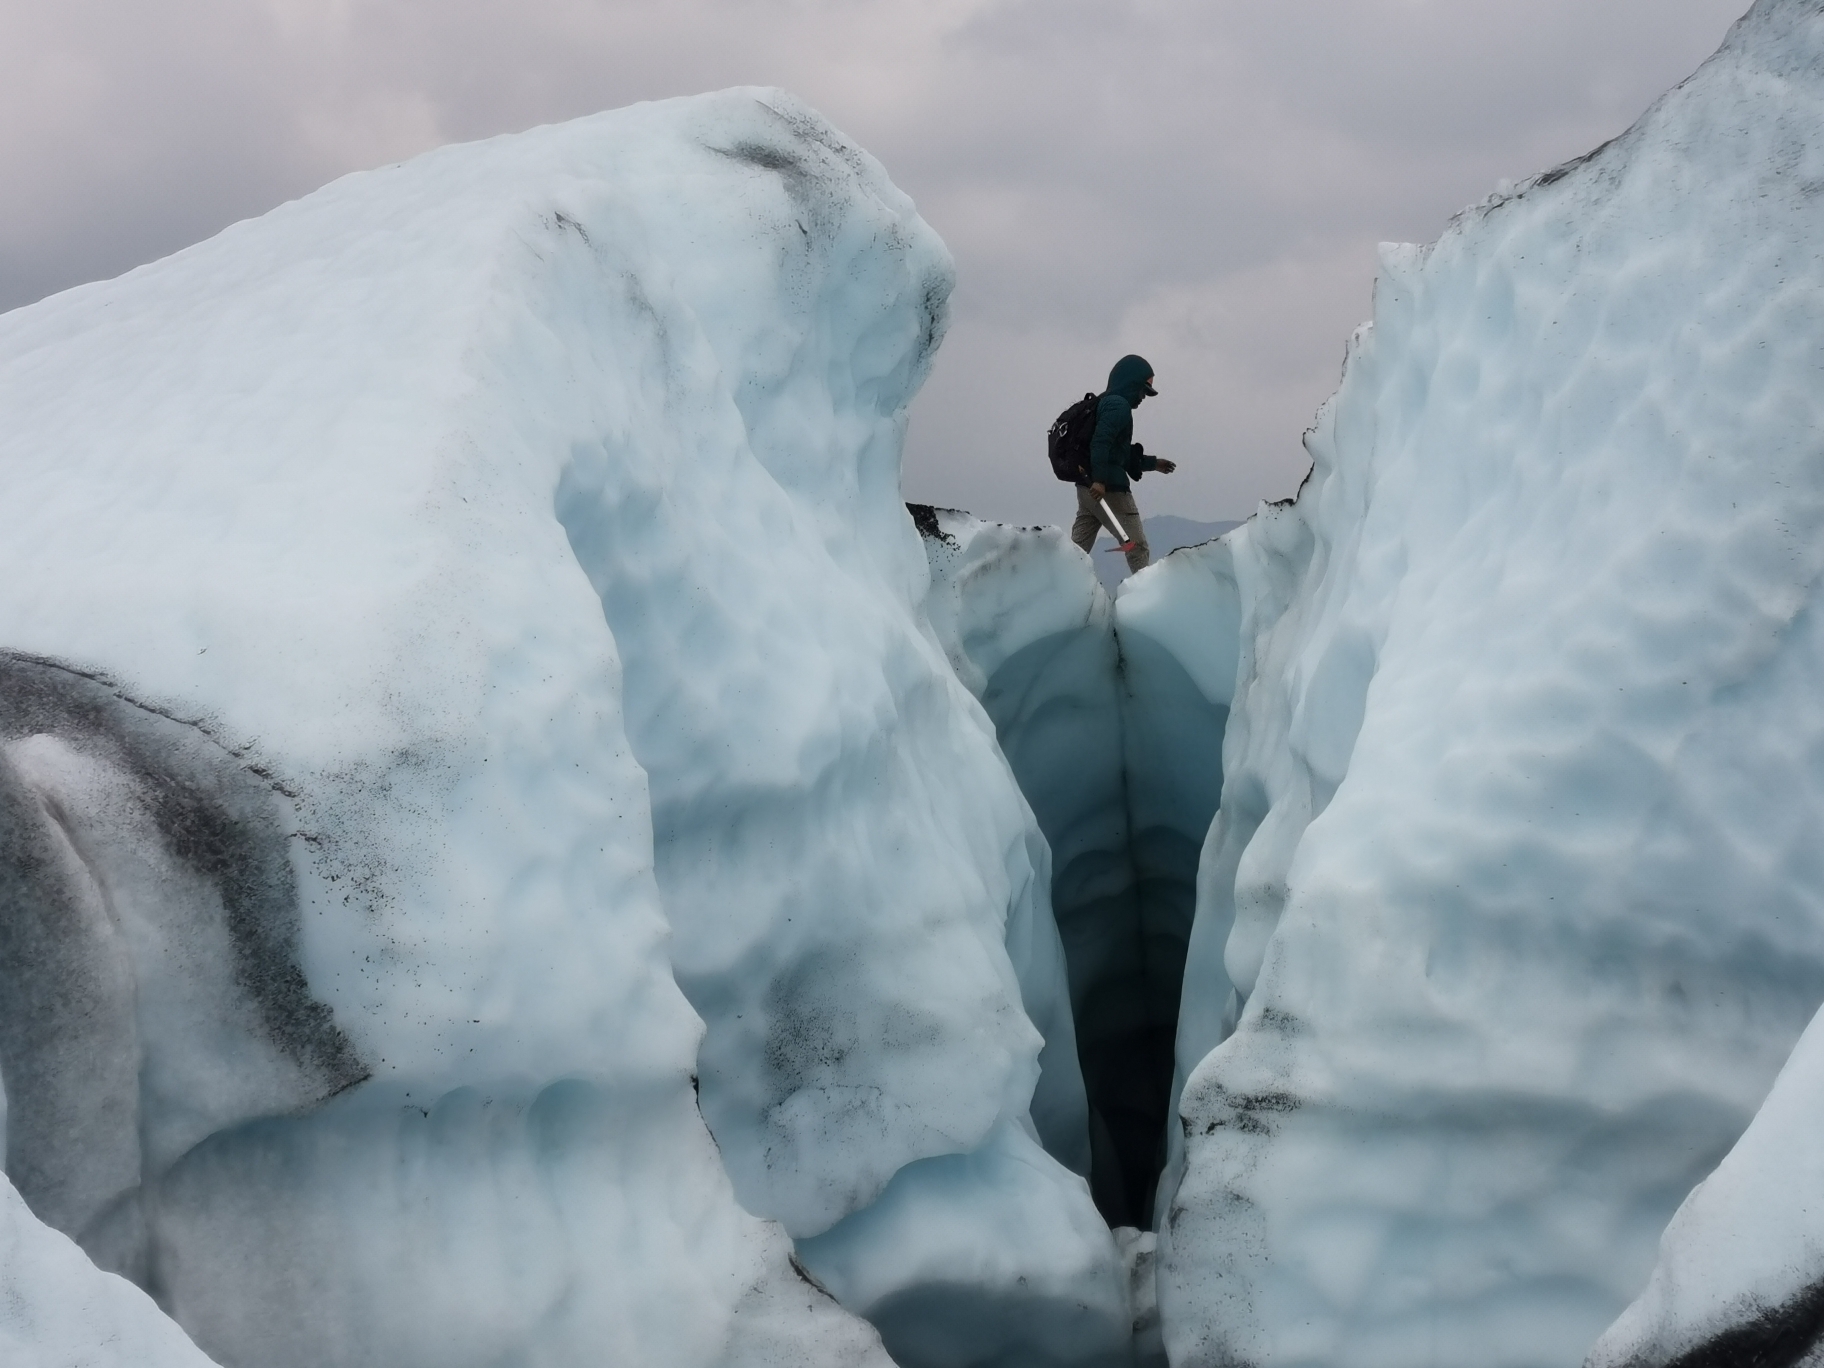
(994, 1257)
(1516, 878)
(452, 605)
(1741, 1268)
(57, 1310)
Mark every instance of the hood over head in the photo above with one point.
(1132, 378)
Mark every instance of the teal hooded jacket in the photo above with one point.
(1113, 457)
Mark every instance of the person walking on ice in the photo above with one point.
(1115, 458)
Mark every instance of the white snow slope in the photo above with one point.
(1741, 1269)
(57, 1310)
(1517, 874)
(441, 611)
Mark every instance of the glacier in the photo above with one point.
(1513, 908)
(57, 1309)
(495, 853)
(516, 847)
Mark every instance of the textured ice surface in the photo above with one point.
(511, 541)
(57, 1310)
(1517, 876)
(1741, 1268)
(143, 868)
(996, 1257)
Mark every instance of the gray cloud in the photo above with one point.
(1203, 181)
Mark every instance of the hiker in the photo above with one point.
(1114, 458)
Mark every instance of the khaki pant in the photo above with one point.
(1090, 520)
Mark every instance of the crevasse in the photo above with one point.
(1111, 714)
(1512, 912)
(515, 848)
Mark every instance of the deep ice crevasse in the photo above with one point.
(525, 522)
(1512, 909)
(1111, 715)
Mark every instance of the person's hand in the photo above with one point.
(1163, 466)
(1099, 490)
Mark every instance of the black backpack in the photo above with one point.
(1068, 440)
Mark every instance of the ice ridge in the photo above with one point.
(1513, 896)
(502, 555)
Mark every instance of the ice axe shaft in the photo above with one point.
(1127, 542)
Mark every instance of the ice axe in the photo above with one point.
(1127, 542)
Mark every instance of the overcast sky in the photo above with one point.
(1202, 181)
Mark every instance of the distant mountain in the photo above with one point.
(1165, 532)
